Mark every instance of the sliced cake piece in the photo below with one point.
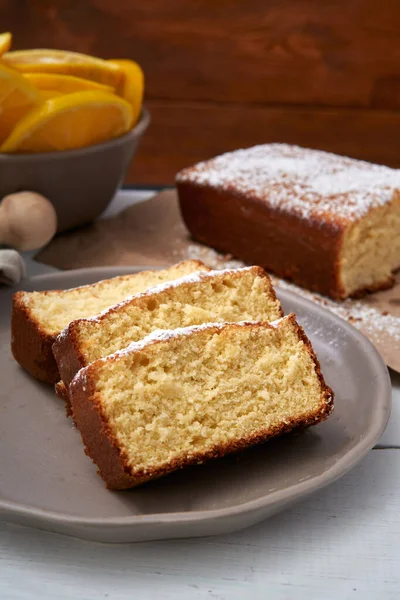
(181, 397)
(327, 222)
(62, 392)
(216, 296)
(38, 317)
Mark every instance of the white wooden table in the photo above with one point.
(342, 543)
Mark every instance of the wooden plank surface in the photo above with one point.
(343, 542)
(342, 53)
(182, 134)
(220, 75)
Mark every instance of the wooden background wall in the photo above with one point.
(223, 74)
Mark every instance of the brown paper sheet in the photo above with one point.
(152, 233)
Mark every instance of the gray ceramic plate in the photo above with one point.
(47, 481)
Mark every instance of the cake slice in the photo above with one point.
(216, 296)
(38, 317)
(182, 397)
(62, 392)
(329, 223)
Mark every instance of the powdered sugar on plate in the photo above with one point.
(365, 318)
(212, 258)
(310, 183)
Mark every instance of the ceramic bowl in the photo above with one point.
(80, 183)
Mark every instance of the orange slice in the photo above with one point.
(71, 121)
(64, 63)
(5, 42)
(46, 94)
(65, 84)
(133, 85)
(17, 97)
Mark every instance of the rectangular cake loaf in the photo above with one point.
(38, 317)
(329, 223)
(181, 397)
(214, 296)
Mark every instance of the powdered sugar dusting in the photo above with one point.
(80, 377)
(367, 318)
(164, 335)
(309, 183)
(63, 335)
(213, 258)
(196, 277)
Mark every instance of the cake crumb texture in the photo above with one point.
(38, 317)
(55, 309)
(196, 394)
(216, 296)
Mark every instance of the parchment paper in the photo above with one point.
(152, 233)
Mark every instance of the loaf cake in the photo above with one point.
(215, 296)
(329, 223)
(38, 317)
(182, 397)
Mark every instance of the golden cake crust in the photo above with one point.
(31, 344)
(262, 235)
(66, 348)
(102, 447)
(61, 391)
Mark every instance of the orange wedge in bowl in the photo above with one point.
(47, 94)
(65, 63)
(5, 42)
(65, 84)
(17, 97)
(132, 87)
(70, 121)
